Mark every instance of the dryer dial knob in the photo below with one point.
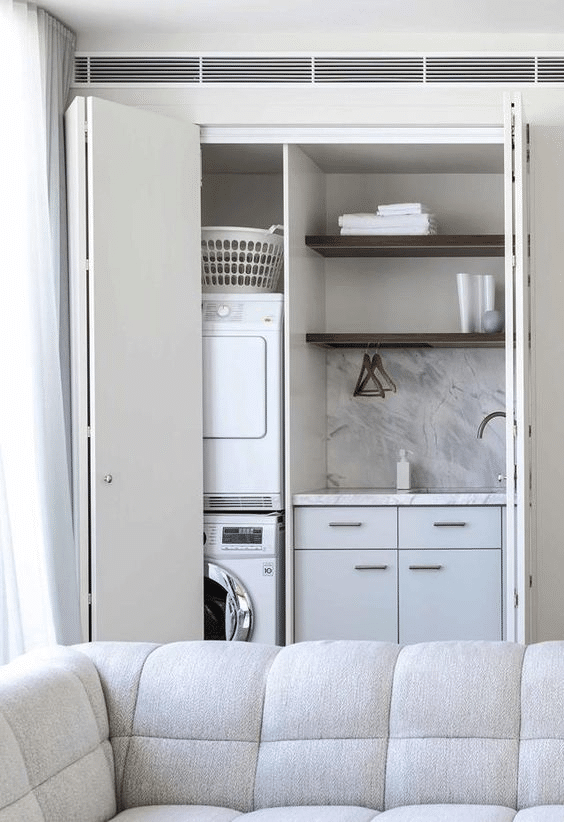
(223, 310)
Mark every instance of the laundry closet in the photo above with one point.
(339, 302)
(345, 297)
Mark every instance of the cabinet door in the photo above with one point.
(346, 594)
(134, 215)
(449, 594)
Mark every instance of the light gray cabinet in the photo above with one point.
(346, 573)
(347, 526)
(397, 573)
(449, 526)
(450, 573)
(449, 594)
(344, 593)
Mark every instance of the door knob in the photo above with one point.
(108, 478)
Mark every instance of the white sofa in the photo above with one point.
(314, 732)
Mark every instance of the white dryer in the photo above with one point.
(242, 394)
(244, 577)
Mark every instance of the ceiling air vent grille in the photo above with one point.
(480, 69)
(256, 70)
(363, 69)
(116, 69)
(550, 69)
(80, 69)
(369, 69)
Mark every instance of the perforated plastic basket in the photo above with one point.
(241, 259)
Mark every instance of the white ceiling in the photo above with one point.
(203, 17)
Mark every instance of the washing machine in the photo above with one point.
(242, 402)
(244, 577)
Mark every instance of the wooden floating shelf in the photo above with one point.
(408, 245)
(424, 340)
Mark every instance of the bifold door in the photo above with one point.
(134, 183)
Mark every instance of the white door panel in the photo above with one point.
(144, 350)
(234, 379)
(518, 389)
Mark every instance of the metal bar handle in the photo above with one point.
(345, 524)
(450, 524)
(425, 567)
(370, 567)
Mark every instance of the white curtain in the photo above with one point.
(38, 564)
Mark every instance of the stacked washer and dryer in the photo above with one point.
(243, 463)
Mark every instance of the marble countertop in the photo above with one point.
(389, 496)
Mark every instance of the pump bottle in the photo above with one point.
(403, 478)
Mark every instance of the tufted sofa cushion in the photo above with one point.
(185, 720)
(454, 725)
(56, 758)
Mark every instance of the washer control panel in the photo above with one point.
(238, 533)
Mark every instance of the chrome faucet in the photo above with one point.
(485, 421)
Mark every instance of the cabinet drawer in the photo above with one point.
(345, 527)
(450, 527)
(346, 595)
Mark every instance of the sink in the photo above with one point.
(498, 489)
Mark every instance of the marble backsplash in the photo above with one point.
(442, 395)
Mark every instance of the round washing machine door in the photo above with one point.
(228, 610)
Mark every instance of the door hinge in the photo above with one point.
(86, 131)
(515, 599)
(90, 599)
(88, 432)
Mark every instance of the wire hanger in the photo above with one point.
(369, 383)
(389, 384)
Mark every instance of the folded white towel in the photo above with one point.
(402, 208)
(357, 219)
(406, 221)
(391, 230)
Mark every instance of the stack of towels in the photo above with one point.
(394, 218)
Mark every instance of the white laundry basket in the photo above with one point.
(241, 259)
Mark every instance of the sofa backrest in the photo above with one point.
(350, 723)
(344, 723)
(249, 726)
(56, 758)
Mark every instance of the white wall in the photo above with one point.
(308, 41)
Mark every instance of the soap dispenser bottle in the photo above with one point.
(403, 479)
